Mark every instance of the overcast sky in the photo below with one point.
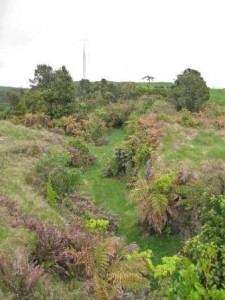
(125, 39)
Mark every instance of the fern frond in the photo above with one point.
(159, 203)
(101, 258)
(125, 277)
(112, 244)
(100, 289)
(182, 190)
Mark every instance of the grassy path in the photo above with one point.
(112, 195)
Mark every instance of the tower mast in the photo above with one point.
(84, 61)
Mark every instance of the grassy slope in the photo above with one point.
(19, 150)
(217, 96)
(112, 195)
(190, 146)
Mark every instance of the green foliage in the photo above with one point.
(122, 158)
(84, 89)
(43, 77)
(97, 224)
(207, 249)
(163, 184)
(35, 101)
(128, 158)
(4, 111)
(64, 180)
(131, 122)
(178, 278)
(145, 255)
(187, 286)
(52, 92)
(168, 267)
(54, 168)
(52, 196)
(117, 114)
(142, 154)
(190, 90)
(79, 144)
(155, 200)
(81, 156)
(187, 118)
(217, 96)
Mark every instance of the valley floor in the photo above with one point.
(112, 195)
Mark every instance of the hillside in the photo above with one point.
(122, 198)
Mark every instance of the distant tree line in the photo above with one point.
(54, 93)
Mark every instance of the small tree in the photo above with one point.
(43, 77)
(190, 90)
(148, 78)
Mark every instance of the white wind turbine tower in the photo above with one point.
(84, 60)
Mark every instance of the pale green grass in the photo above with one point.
(195, 145)
(20, 148)
(217, 96)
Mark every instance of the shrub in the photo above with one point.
(207, 250)
(54, 168)
(64, 180)
(122, 159)
(190, 90)
(20, 277)
(99, 225)
(81, 156)
(155, 201)
(187, 119)
(118, 114)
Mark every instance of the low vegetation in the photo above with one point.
(112, 190)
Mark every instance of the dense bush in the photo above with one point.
(130, 156)
(190, 91)
(207, 250)
(81, 156)
(54, 169)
